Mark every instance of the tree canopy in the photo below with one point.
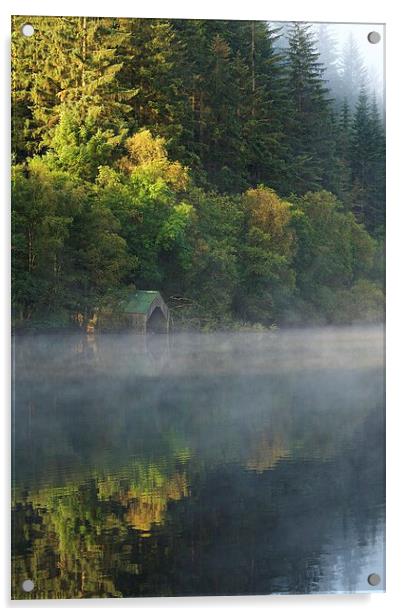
(208, 159)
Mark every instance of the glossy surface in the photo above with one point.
(204, 464)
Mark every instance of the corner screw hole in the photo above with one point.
(28, 585)
(374, 37)
(27, 30)
(374, 579)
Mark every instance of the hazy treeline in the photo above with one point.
(346, 72)
(199, 158)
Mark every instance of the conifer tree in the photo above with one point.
(75, 66)
(150, 53)
(267, 107)
(377, 170)
(329, 57)
(360, 156)
(309, 129)
(353, 73)
(343, 145)
(222, 136)
(368, 164)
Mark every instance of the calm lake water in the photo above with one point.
(198, 464)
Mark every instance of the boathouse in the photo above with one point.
(147, 312)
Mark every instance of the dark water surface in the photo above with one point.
(198, 465)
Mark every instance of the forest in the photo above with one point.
(237, 167)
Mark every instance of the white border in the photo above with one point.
(358, 11)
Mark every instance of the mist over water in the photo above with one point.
(247, 463)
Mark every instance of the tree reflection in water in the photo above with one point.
(135, 476)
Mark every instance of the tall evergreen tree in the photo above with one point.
(267, 106)
(231, 72)
(343, 146)
(75, 66)
(360, 153)
(377, 175)
(368, 164)
(329, 57)
(353, 73)
(309, 128)
(151, 52)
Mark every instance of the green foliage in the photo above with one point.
(66, 250)
(212, 279)
(70, 63)
(161, 154)
(368, 165)
(81, 147)
(266, 256)
(333, 250)
(327, 250)
(310, 130)
(144, 194)
(44, 204)
(362, 303)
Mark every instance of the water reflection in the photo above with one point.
(224, 464)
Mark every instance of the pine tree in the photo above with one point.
(34, 91)
(329, 57)
(343, 145)
(368, 164)
(75, 66)
(222, 143)
(377, 170)
(360, 156)
(245, 102)
(207, 72)
(267, 108)
(309, 128)
(195, 40)
(150, 53)
(353, 73)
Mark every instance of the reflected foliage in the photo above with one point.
(194, 475)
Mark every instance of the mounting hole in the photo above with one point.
(374, 37)
(28, 585)
(27, 30)
(374, 579)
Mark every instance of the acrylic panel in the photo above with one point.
(198, 228)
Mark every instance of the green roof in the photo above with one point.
(140, 301)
